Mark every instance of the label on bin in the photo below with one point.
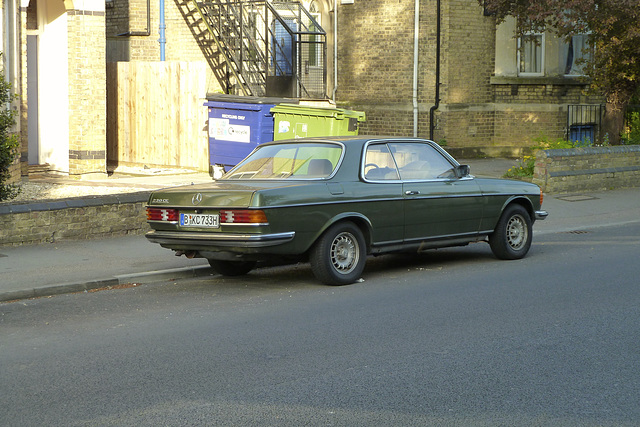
(222, 129)
(283, 126)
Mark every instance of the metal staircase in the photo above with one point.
(261, 48)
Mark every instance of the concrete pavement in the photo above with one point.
(76, 266)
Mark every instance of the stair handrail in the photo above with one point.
(222, 50)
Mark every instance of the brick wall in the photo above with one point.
(80, 218)
(466, 116)
(375, 63)
(468, 52)
(117, 17)
(87, 92)
(584, 169)
(519, 126)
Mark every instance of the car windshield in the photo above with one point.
(289, 161)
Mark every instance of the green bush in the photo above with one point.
(9, 143)
(524, 169)
(543, 143)
(632, 131)
(527, 164)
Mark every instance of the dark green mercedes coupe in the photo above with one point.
(336, 200)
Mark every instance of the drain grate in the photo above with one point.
(577, 198)
(576, 232)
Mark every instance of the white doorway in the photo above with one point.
(47, 90)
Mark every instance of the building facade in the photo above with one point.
(438, 69)
(489, 99)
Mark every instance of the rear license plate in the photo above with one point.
(199, 220)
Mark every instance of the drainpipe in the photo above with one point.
(416, 31)
(437, 103)
(162, 26)
(335, 49)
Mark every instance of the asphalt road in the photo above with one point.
(453, 337)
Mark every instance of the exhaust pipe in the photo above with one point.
(188, 254)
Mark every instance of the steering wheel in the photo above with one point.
(372, 165)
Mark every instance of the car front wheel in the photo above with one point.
(511, 238)
(338, 257)
(232, 268)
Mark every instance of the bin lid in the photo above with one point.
(301, 110)
(238, 106)
(221, 97)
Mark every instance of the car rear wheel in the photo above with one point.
(338, 257)
(512, 237)
(232, 268)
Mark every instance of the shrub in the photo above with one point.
(543, 143)
(525, 168)
(9, 143)
(527, 164)
(632, 130)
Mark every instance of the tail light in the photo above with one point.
(541, 197)
(244, 216)
(159, 214)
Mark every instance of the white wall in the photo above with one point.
(53, 93)
(506, 49)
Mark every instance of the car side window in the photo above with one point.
(379, 164)
(418, 161)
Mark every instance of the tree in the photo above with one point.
(9, 143)
(614, 29)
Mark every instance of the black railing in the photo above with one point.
(270, 48)
(584, 123)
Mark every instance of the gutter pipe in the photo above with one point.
(335, 49)
(162, 40)
(433, 109)
(416, 42)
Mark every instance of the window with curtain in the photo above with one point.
(574, 53)
(531, 54)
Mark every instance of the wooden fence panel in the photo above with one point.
(156, 114)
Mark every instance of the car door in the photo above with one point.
(383, 191)
(437, 203)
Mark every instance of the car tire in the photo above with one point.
(232, 268)
(511, 238)
(339, 255)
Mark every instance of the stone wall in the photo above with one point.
(587, 169)
(77, 218)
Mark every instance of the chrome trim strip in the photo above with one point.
(541, 215)
(219, 239)
(444, 237)
(400, 197)
(245, 224)
(441, 196)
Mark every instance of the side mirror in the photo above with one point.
(463, 170)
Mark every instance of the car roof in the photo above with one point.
(348, 140)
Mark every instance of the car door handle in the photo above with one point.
(411, 192)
